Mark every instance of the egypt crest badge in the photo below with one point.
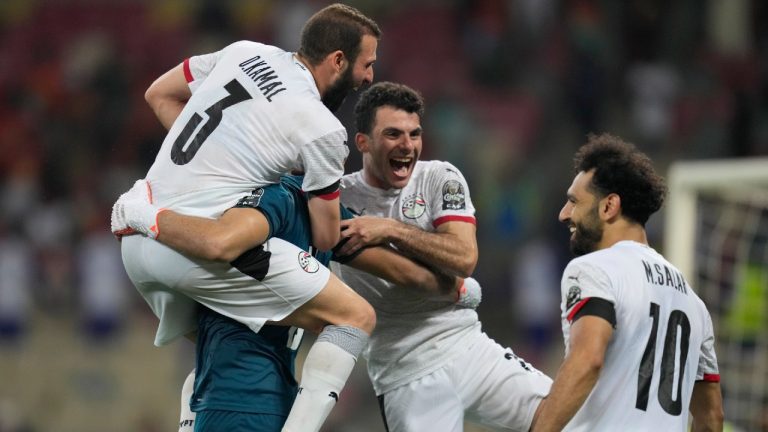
(414, 206)
(308, 263)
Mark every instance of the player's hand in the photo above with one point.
(134, 212)
(364, 231)
(470, 294)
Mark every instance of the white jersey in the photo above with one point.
(255, 114)
(662, 343)
(414, 335)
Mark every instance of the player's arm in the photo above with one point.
(577, 375)
(386, 263)
(452, 247)
(223, 239)
(324, 217)
(707, 407)
(707, 401)
(168, 95)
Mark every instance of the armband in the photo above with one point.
(327, 193)
(595, 306)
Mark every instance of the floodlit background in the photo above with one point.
(512, 88)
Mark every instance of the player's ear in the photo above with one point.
(610, 206)
(362, 142)
(338, 60)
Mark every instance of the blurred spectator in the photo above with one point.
(653, 91)
(16, 273)
(104, 289)
(535, 296)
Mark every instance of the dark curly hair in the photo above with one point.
(335, 27)
(622, 169)
(398, 96)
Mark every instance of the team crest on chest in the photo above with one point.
(308, 263)
(453, 196)
(414, 206)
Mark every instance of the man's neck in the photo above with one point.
(312, 70)
(372, 181)
(626, 231)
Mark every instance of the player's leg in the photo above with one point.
(336, 304)
(429, 403)
(187, 417)
(500, 390)
(346, 320)
(176, 311)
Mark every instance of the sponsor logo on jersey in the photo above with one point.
(574, 296)
(523, 364)
(453, 196)
(308, 262)
(252, 200)
(414, 206)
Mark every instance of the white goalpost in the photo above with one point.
(716, 233)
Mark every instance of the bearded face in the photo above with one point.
(338, 91)
(587, 232)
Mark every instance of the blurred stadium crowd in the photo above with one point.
(512, 88)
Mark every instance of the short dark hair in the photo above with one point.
(398, 96)
(620, 168)
(335, 27)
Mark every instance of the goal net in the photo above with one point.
(716, 233)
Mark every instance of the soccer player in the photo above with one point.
(639, 341)
(238, 119)
(245, 380)
(431, 365)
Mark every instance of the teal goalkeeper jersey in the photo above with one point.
(237, 369)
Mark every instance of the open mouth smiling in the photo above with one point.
(400, 165)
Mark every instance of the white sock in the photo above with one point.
(187, 417)
(326, 369)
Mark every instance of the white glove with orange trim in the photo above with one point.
(134, 212)
(470, 294)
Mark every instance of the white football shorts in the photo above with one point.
(267, 285)
(488, 385)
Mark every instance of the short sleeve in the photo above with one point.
(197, 68)
(708, 370)
(451, 201)
(323, 160)
(581, 283)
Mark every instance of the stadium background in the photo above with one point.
(512, 88)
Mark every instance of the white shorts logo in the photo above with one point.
(308, 262)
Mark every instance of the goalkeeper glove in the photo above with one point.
(470, 294)
(134, 212)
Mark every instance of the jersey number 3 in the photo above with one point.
(179, 155)
(678, 325)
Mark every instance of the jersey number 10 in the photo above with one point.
(179, 156)
(678, 321)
